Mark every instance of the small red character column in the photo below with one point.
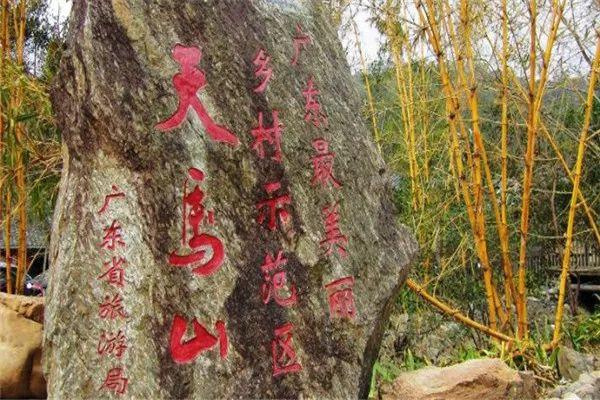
(112, 309)
(187, 84)
(194, 217)
(273, 212)
(340, 295)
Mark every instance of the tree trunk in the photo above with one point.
(210, 308)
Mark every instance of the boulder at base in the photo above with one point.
(225, 226)
(572, 363)
(21, 347)
(489, 379)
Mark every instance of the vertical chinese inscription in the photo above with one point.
(205, 257)
(341, 302)
(111, 309)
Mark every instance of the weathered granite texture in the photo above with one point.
(114, 86)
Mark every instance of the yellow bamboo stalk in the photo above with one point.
(432, 31)
(7, 238)
(365, 73)
(458, 60)
(589, 212)
(455, 313)
(20, 166)
(4, 54)
(479, 144)
(584, 203)
(535, 95)
(409, 98)
(510, 293)
(405, 105)
(423, 108)
(566, 261)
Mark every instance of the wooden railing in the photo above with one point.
(585, 258)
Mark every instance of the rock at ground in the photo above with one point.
(587, 387)
(429, 336)
(21, 347)
(225, 226)
(572, 363)
(29, 307)
(489, 379)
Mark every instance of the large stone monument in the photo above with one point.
(225, 225)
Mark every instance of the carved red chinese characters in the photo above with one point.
(274, 210)
(285, 360)
(275, 281)
(340, 296)
(323, 165)
(271, 135)
(194, 215)
(112, 344)
(187, 83)
(312, 108)
(188, 351)
(301, 41)
(334, 239)
(112, 308)
(263, 70)
(113, 237)
(115, 381)
(114, 272)
(115, 194)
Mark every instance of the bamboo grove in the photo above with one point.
(445, 58)
(29, 147)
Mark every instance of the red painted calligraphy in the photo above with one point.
(313, 112)
(340, 296)
(334, 239)
(285, 360)
(187, 83)
(186, 352)
(115, 194)
(115, 272)
(112, 308)
(115, 381)
(114, 344)
(274, 210)
(263, 70)
(113, 237)
(270, 135)
(323, 165)
(301, 41)
(194, 214)
(275, 282)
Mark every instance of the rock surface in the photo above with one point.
(21, 347)
(587, 387)
(571, 363)
(115, 85)
(489, 379)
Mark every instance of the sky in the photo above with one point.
(369, 36)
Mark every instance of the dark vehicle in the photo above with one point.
(13, 273)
